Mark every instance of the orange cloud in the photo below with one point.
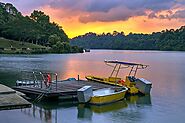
(78, 17)
(138, 24)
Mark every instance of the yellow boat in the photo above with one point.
(108, 95)
(129, 82)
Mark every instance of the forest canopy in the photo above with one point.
(36, 29)
(164, 40)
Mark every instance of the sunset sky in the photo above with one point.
(78, 17)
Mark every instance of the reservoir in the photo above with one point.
(166, 103)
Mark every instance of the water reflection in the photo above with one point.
(47, 111)
(84, 112)
(139, 99)
(133, 113)
(40, 113)
(166, 72)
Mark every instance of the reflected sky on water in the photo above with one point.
(165, 104)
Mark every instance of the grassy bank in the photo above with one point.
(16, 47)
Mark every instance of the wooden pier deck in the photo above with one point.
(10, 99)
(64, 88)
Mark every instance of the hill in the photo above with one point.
(11, 46)
(7, 44)
(36, 29)
(164, 40)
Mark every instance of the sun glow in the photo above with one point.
(137, 24)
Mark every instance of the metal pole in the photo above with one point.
(135, 71)
(56, 80)
(51, 86)
(33, 79)
(118, 70)
(113, 70)
(41, 80)
(131, 70)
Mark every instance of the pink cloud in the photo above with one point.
(102, 10)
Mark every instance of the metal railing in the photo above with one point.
(38, 79)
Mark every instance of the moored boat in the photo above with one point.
(134, 85)
(108, 95)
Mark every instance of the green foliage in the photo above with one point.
(5, 43)
(36, 28)
(115, 41)
(64, 47)
(53, 39)
(165, 40)
(172, 39)
(40, 17)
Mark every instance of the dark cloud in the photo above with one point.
(158, 5)
(106, 10)
(102, 5)
(179, 14)
(117, 14)
(152, 15)
(68, 4)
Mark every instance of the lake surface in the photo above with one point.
(166, 103)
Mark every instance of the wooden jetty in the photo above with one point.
(66, 88)
(11, 99)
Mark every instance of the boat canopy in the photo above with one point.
(124, 63)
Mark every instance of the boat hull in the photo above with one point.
(109, 98)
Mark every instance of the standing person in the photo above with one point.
(48, 80)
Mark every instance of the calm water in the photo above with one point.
(165, 104)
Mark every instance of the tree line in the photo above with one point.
(164, 40)
(36, 29)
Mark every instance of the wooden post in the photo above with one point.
(78, 77)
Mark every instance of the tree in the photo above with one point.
(40, 17)
(35, 28)
(53, 39)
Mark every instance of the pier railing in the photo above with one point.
(45, 80)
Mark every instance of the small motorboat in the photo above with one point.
(134, 85)
(108, 95)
